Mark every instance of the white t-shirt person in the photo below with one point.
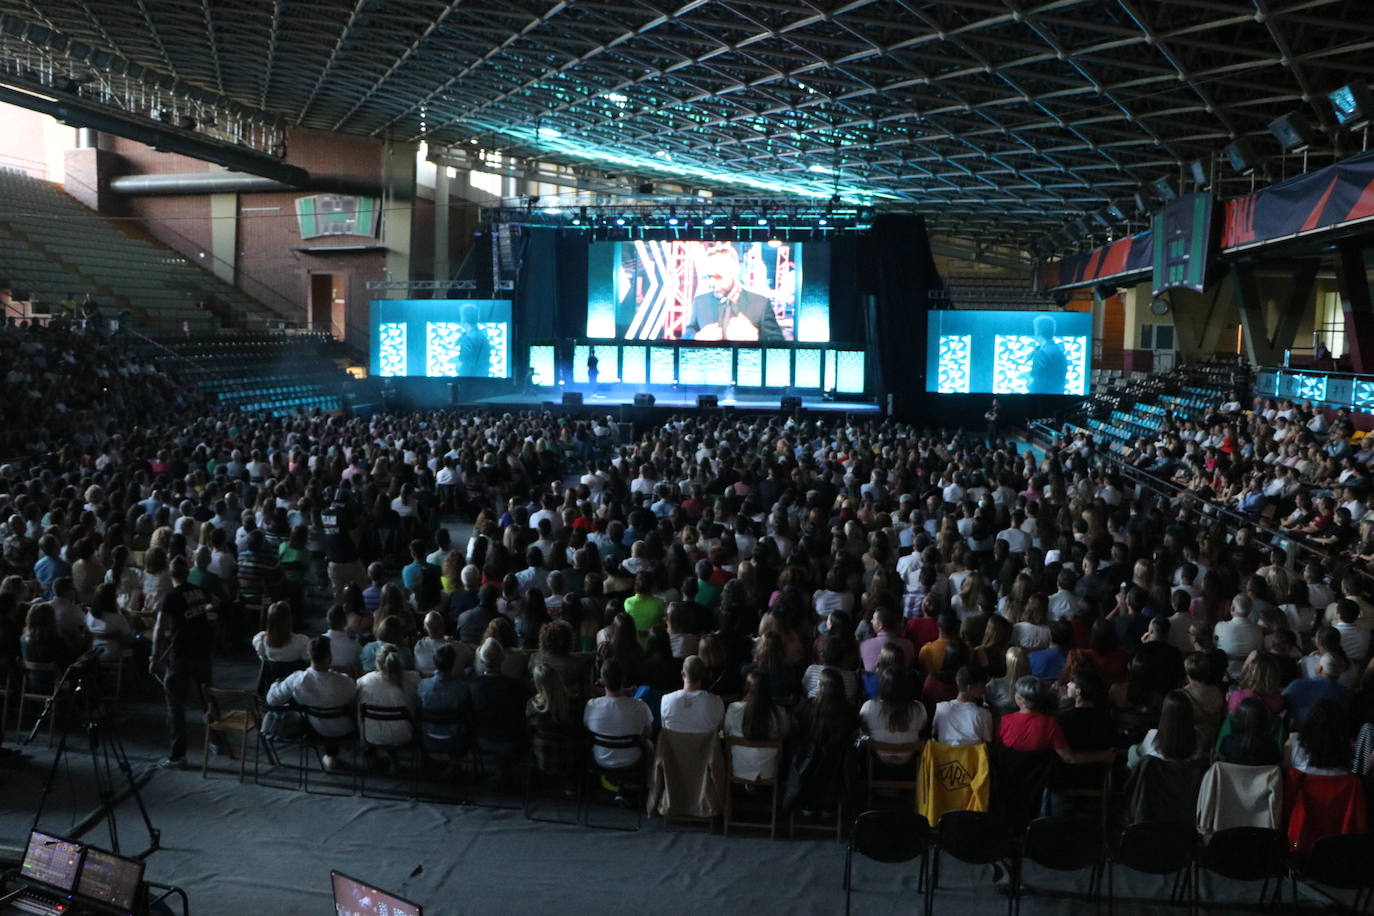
(960, 723)
(691, 709)
(617, 717)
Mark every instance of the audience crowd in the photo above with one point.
(824, 589)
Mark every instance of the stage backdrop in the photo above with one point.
(441, 338)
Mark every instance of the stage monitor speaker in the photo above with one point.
(791, 403)
(707, 401)
(572, 399)
(644, 399)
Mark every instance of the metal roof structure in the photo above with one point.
(1002, 116)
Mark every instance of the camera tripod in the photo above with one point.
(81, 685)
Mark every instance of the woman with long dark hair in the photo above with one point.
(1176, 736)
(756, 718)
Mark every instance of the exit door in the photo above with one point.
(328, 303)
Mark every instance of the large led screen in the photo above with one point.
(441, 338)
(770, 292)
(1008, 352)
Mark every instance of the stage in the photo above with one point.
(672, 399)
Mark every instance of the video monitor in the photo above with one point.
(355, 898)
(656, 290)
(52, 861)
(441, 338)
(110, 880)
(1008, 352)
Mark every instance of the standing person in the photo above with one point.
(1049, 366)
(474, 347)
(592, 372)
(183, 640)
(991, 417)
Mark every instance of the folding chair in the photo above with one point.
(770, 783)
(229, 712)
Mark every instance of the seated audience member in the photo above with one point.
(964, 720)
(1303, 695)
(473, 622)
(42, 642)
(498, 704)
(554, 717)
(343, 645)
(445, 694)
(318, 687)
(887, 624)
(932, 655)
(1176, 736)
(1261, 678)
(1001, 692)
(70, 616)
(1354, 636)
(109, 630)
(894, 717)
(756, 718)
(1202, 680)
(390, 686)
(427, 645)
(1321, 745)
(277, 643)
(555, 650)
(1048, 663)
(693, 709)
(1033, 727)
(1087, 722)
(1239, 636)
(617, 715)
(390, 632)
(833, 651)
(1253, 739)
(824, 727)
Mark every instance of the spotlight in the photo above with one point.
(823, 221)
(761, 221)
(1293, 132)
(672, 220)
(620, 220)
(1240, 157)
(1116, 210)
(1353, 105)
(709, 221)
(1198, 168)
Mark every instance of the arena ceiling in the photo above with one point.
(1013, 116)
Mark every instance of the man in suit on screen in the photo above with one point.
(474, 348)
(1049, 365)
(729, 311)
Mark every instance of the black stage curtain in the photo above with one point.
(897, 271)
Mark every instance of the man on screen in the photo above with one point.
(1049, 365)
(729, 311)
(474, 349)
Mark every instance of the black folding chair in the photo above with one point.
(1345, 862)
(635, 776)
(313, 741)
(1064, 844)
(1157, 848)
(387, 714)
(976, 838)
(550, 746)
(1248, 854)
(889, 835)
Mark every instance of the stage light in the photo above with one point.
(1198, 168)
(1240, 157)
(774, 243)
(672, 220)
(1353, 105)
(1116, 210)
(823, 221)
(709, 221)
(576, 221)
(761, 221)
(1293, 132)
(620, 220)
(1164, 189)
(1141, 204)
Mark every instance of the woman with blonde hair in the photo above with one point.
(1261, 678)
(157, 579)
(390, 686)
(1001, 692)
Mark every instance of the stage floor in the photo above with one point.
(675, 400)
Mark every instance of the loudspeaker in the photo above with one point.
(572, 399)
(707, 401)
(644, 399)
(791, 403)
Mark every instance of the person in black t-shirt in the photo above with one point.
(183, 641)
(340, 550)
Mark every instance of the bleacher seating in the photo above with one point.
(54, 248)
(270, 373)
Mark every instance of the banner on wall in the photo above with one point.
(1316, 200)
(1131, 255)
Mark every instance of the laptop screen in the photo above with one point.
(110, 879)
(52, 861)
(354, 898)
